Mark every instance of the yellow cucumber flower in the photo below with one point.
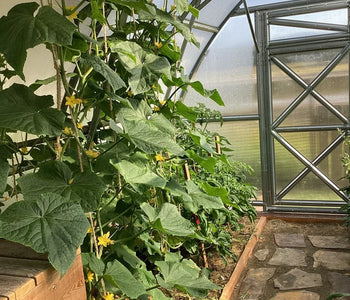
(71, 101)
(108, 296)
(160, 157)
(92, 154)
(67, 131)
(24, 150)
(158, 44)
(90, 276)
(73, 15)
(105, 240)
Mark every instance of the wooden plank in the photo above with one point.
(11, 249)
(52, 286)
(243, 260)
(14, 287)
(23, 267)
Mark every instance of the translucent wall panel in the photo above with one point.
(192, 52)
(309, 144)
(244, 139)
(229, 66)
(216, 11)
(335, 16)
(334, 88)
(338, 16)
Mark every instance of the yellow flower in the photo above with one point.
(129, 93)
(73, 15)
(7, 198)
(90, 276)
(105, 240)
(89, 230)
(158, 44)
(162, 102)
(160, 157)
(92, 154)
(108, 296)
(80, 126)
(24, 150)
(71, 181)
(71, 101)
(156, 108)
(67, 131)
(172, 7)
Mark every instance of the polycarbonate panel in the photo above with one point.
(335, 88)
(229, 66)
(288, 167)
(283, 32)
(335, 16)
(192, 52)
(338, 16)
(244, 139)
(216, 11)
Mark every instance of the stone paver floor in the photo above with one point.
(297, 267)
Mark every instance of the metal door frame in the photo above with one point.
(269, 129)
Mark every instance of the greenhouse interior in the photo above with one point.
(174, 149)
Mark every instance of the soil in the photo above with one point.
(280, 226)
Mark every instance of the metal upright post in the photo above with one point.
(265, 110)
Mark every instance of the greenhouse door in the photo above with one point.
(303, 88)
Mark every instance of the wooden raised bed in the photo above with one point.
(27, 275)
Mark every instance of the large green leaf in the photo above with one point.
(178, 191)
(144, 66)
(21, 109)
(4, 172)
(95, 264)
(201, 199)
(183, 274)
(118, 275)
(168, 220)
(208, 163)
(153, 13)
(148, 131)
(56, 177)
(186, 111)
(139, 174)
(212, 94)
(102, 68)
(20, 30)
(47, 224)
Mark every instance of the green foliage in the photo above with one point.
(346, 164)
(21, 109)
(337, 295)
(110, 153)
(48, 224)
(20, 30)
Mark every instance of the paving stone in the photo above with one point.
(262, 254)
(291, 240)
(330, 242)
(288, 257)
(254, 283)
(297, 279)
(332, 260)
(340, 283)
(294, 295)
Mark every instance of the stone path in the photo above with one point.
(294, 272)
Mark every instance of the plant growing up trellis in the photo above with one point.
(104, 169)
